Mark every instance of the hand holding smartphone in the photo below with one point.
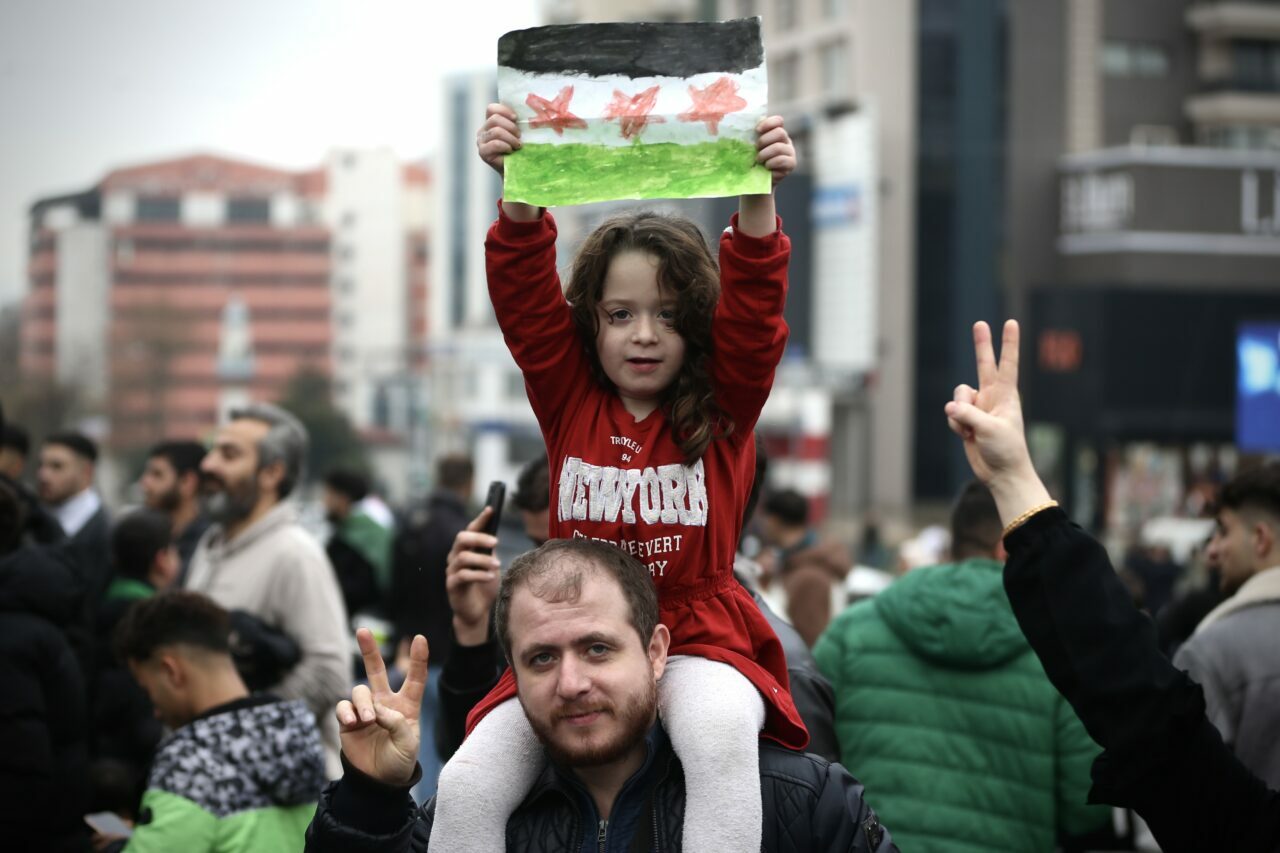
(495, 499)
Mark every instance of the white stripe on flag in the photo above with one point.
(592, 96)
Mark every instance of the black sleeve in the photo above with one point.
(843, 820)
(815, 700)
(1161, 757)
(358, 813)
(469, 673)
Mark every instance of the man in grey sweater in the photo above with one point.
(1234, 653)
(256, 557)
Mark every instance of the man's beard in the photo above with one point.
(634, 720)
(167, 501)
(227, 504)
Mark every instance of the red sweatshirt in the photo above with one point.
(624, 482)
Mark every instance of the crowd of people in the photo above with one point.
(185, 677)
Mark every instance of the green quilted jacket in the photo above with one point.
(945, 714)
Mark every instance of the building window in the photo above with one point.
(835, 68)
(248, 210)
(1134, 59)
(1242, 136)
(748, 8)
(348, 219)
(346, 285)
(787, 12)
(835, 10)
(159, 209)
(1255, 65)
(787, 77)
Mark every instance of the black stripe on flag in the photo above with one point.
(635, 49)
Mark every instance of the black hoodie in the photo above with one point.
(44, 788)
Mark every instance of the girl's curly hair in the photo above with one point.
(687, 268)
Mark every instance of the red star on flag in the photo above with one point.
(713, 103)
(633, 112)
(554, 113)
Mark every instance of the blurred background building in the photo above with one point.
(1106, 172)
(174, 290)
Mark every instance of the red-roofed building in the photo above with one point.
(173, 290)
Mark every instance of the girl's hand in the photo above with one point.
(498, 136)
(774, 149)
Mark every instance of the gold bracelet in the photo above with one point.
(1025, 517)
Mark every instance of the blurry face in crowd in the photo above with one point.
(585, 680)
(336, 505)
(160, 487)
(12, 463)
(537, 525)
(63, 474)
(1243, 543)
(164, 571)
(232, 482)
(639, 348)
(166, 679)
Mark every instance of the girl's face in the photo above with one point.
(638, 346)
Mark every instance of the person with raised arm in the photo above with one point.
(1161, 755)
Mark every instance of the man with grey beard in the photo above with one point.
(256, 557)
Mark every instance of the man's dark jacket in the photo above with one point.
(809, 806)
(419, 603)
(44, 789)
(1161, 755)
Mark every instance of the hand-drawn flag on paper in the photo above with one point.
(634, 110)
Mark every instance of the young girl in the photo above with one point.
(647, 385)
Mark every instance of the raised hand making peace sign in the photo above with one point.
(989, 420)
(379, 728)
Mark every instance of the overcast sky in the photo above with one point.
(90, 85)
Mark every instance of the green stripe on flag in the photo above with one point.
(556, 175)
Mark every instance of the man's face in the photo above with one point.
(586, 682)
(537, 525)
(160, 487)
(230, 469)
(164, 678)
(62, 475)
(1239, 548)
(337, 506)
(12, 463)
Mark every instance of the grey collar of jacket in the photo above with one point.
(1259, 589)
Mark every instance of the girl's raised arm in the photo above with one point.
(757, 215)
(496, 138)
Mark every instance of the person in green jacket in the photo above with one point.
(238, 772)
(943, 710)
(360, 547)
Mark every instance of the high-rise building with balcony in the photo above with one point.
(1143, 231)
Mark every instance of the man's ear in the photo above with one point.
(270, 476)
(189, 484)
(658, 645)
(1265, 542)
(1001, 554)
(174, 670)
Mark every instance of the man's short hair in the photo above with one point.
(555, 571)
(77, 443)
(788, 506)
(1256, 489)
(352, 484)
(454, 471)
(533, 486)
(285, 441)
(975, 523)
(172, 618)
(136, 540)
(15, 438)
(184, 456)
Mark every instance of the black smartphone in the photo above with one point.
(496, 498)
